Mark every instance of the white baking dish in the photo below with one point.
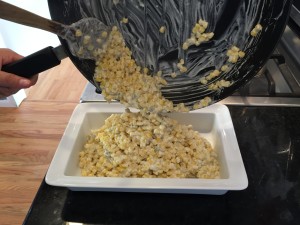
(213, 122)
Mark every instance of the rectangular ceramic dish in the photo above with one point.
(213, 122)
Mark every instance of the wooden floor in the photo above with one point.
(29, 136)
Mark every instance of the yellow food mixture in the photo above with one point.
(144, 144)
(147, 145)
(122, 79)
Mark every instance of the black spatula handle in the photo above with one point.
(34, 63)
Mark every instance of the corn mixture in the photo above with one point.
(198, 35)
(147, 145)
(234, 54)
(122, 79)
(256, 30)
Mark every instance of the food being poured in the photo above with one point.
(144, 144)
(184, 42)
(122, 79)
(147, 144)
(144, 40)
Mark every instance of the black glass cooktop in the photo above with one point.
(269, 140)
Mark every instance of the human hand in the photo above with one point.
(11, 83)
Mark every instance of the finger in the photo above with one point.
(34, 79)
(9, 80)
(5, 92)
(8, 56)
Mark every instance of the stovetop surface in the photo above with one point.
(269, 141)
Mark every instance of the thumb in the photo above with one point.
(24, 83)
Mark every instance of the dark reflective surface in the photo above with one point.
(269, 140)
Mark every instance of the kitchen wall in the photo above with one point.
(26, 40)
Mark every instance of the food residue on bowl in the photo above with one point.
(256, 30)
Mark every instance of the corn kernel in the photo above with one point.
(162, 29)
